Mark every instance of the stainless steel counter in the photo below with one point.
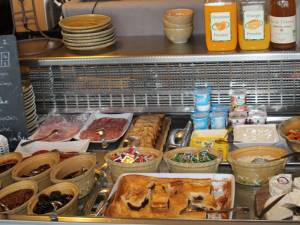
(244, 195)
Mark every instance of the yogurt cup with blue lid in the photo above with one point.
(218, 120)
(200, 120)
(202, 98)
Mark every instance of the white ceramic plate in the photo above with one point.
(88, 41)
(76, 146)
(95, 116)
(88, 30)
(81, 44)
(218, 180)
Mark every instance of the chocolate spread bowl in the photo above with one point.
(33, 163)
(7, 164)
(16, 196)
(85, 180)
(65, 188)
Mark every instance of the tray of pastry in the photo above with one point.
(151, 131)
(164, 195)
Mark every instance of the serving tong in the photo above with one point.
(54, 132)
(194, 208)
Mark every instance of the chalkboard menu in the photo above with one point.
(13, 123)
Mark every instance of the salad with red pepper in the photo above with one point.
(294, 135)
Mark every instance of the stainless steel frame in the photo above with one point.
(151, 74)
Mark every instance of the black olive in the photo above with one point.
(55, 195)
(39, 211)
(44, 197)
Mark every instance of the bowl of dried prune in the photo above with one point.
(79, 169)
(61, 198)
(7, 162)
(36, 168)
(15, 197)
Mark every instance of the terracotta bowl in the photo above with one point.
(6, 177)
(69, 188)
(167, 24)
(179, 16)
(118, 168)
(256, 174)
(283, 129)
(206, 167)
(180, 35)
(27, 184)
(43, 179)
(85, 181)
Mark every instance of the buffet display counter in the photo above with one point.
(152, 75)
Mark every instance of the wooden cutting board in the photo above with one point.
(261, 196)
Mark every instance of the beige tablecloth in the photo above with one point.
(137, 17)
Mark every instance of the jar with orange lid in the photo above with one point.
(254, 32)
(220, 24)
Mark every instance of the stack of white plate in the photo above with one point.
(87, 32)
(30, 107)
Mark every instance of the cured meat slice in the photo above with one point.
(113, 128)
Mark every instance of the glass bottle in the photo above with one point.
(283, 23)
(298, 23)
(253, 24)
(220, 24)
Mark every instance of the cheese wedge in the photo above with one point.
(280, 184)
(277, 212)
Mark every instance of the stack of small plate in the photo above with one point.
(87, 32)
(30, 107)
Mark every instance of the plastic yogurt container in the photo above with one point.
(257, 117)
(202, 99)
(238, 99)
(218, 120)
(238, 118)
(200, 120)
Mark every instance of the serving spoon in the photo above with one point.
(102, 135)
(4, 207)
(263, 160)
(129, 141)
(54, 132)
(193, 208)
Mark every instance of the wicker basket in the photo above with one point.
(206, 167)
(256, 174)
(146, 167)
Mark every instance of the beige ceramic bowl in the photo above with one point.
(69, 188)
(43, 179)
(27, 184)
(5, 177)
(118, 168)
(207, 167)
(179, 16)
(283, 129)
(167, 24)
(179, 35)
(256, 174)
(85, 181)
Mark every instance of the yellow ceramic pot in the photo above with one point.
(25, 167)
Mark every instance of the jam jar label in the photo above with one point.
(220, 26)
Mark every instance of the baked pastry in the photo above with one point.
(136, 197)
(167, 197)
(147, 129)
(174, 187)
(159, 200)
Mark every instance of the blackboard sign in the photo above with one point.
(13, 124)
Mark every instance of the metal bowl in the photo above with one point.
(283, 129)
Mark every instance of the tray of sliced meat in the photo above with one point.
(115, 125)
(68, 124)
